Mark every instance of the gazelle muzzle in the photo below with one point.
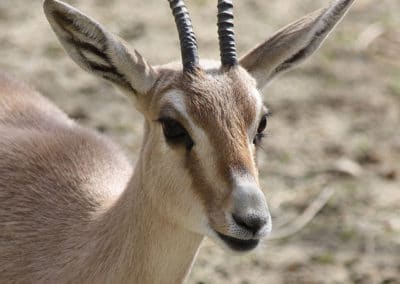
(249, 218)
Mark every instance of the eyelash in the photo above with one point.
(260, 130)
(258, 138)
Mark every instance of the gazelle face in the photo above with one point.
(204, 129)
(203, 123)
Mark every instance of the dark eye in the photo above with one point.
(262, 125)
(175, 133)
(260, 130)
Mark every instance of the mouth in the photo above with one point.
(239, 244)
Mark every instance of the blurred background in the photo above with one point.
(333, 140)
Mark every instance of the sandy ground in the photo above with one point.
(335, 125)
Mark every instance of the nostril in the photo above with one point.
(239, 221)
(252, 223)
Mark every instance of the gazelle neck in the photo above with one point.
(138, 244)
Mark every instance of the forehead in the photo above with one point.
(216, 97)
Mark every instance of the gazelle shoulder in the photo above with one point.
(21, 106)
(71, 168)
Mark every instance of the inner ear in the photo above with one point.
(98, 51)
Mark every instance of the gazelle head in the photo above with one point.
(203, 119)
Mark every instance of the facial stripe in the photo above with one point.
(173, 106)
(215, 196)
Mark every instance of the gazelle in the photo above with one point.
(72, 209)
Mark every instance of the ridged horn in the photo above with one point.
(190, 57)
(226, 33)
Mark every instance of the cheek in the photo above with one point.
(181, 201)
(166, 174)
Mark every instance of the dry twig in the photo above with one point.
(304, 218)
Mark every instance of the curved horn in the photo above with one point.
(190, 58)
(226, 33)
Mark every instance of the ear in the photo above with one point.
(294, 43)
(98, 51)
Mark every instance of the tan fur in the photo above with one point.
(67, 212)
(72, 208)
(26, 108)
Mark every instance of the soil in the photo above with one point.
(335, 124)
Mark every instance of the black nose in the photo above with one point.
(252, 223)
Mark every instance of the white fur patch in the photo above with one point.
(259, 106)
